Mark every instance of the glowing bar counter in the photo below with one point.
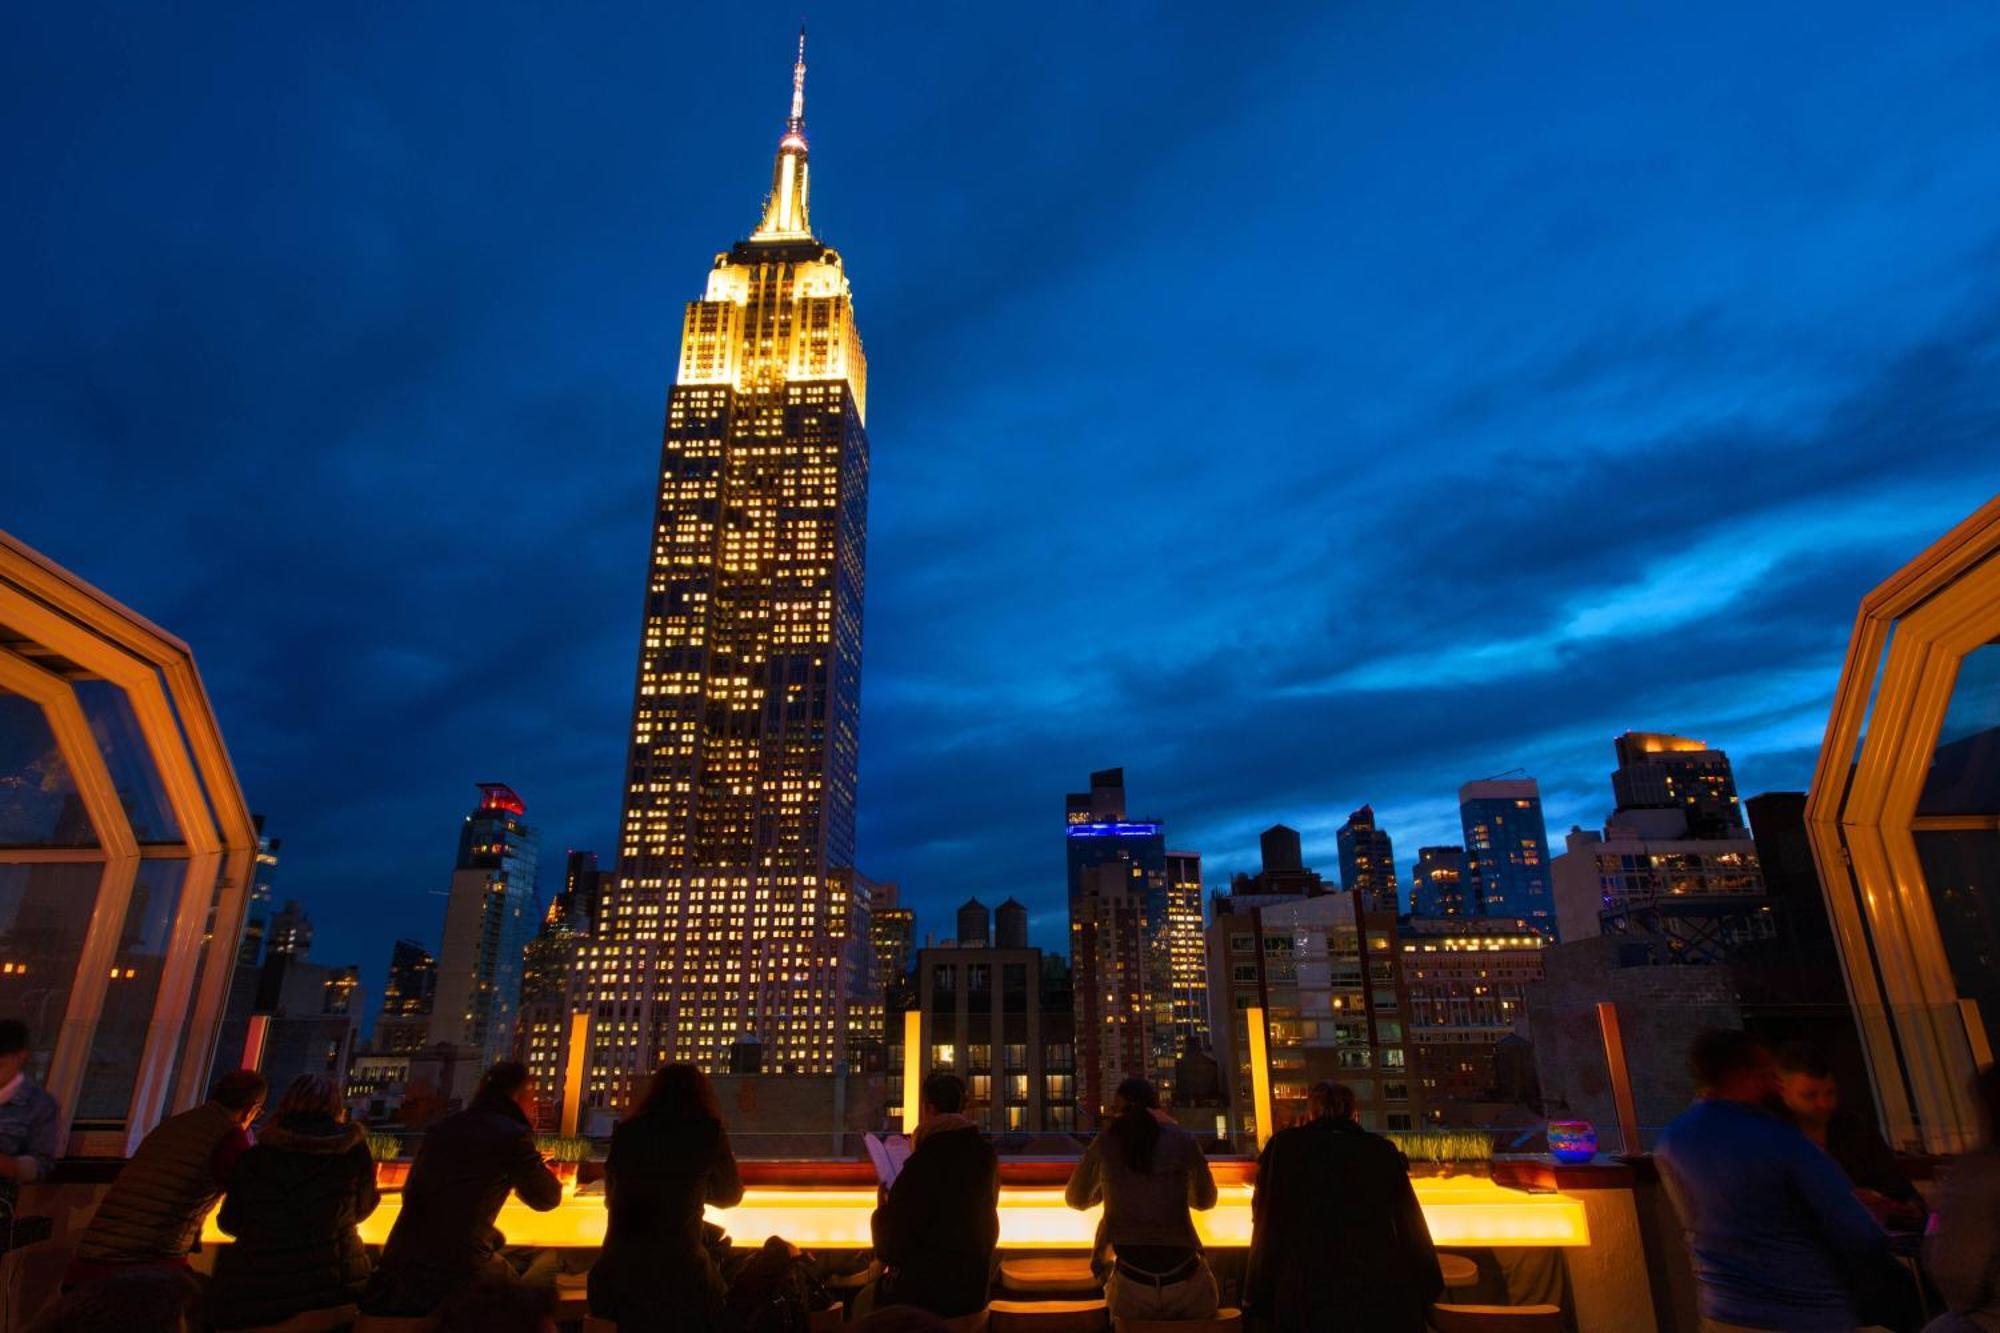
(1466, 1211)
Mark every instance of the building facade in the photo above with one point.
(1658, 771)
(488, 921)
(1467, 979)
(1121, 943)
(1437, 886)
(1368, 861)
(728, 924)
(988, 1017)
(1327, 976)
(1507, 849)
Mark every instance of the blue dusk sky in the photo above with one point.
(1299, 407)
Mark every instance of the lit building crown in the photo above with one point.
(785, 210)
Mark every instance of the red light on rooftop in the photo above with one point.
(500, 796)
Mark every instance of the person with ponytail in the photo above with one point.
(1148, 1172)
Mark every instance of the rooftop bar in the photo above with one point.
(1469, 1211)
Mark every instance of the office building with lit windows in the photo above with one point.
(1657, 771)
(488, 920)
(1326, 976)
(1132, 949)
(1437, 884)
(728, 925)
(990, 1017)
(1507, 849)
(1466, 977)
(403, 1025)
(1368, 861)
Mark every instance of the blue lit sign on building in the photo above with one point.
(1114, 830)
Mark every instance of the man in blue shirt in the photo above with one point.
(28, 1118)
(1778, 1239)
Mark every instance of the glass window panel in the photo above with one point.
(1965, 770)
(192, 1042)
(44, 913)
(181, 727)
(130, 990)
(1962, 868)
(126, 754)
(39, 806)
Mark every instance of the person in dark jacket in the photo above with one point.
(1338, 1241)
(292, 1205)
(668, 1158)
(153, 1212)
(444, 1237)
(936, 1231)
(1148, 1172)
(1809, 1097)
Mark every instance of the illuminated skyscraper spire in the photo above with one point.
(785, 209)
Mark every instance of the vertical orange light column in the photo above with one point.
(913, 1066)
(253, 1041)
(1260, 1074)
(1621, 1076)
(577, 1057)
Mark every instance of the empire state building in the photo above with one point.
(731, 913)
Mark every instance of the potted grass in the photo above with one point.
(565, 1153)
(392, 1167)
(1446, 1152)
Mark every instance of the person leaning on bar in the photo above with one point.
(669, 1157)
(936, 1231)
(152, 1214)
(1338, 1242)
(444, 1236)
(1148, 1172)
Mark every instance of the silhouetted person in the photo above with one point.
(1148, 1172)
(1810, 1099)
(669, 1157)
(292, 1206)
(1338, 1241)
(152, 1214)
(936, 1231)
(466, 1165)
(1963, 1254)
(30, 1125)
(1777, 1237)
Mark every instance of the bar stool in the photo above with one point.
(1459, 1271)
(594, 1324)
(976, 1322)
(1049, 1277)
(1222, 1321)
(1497, 1318)
(1049, 1317)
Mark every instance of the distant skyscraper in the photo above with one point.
(1190, 954)
(1657, 771)
(290, 932)
(1675, 872)
(1010, 925)
(725, 924)
(975, 924)
(892, 938)
(582, 893)
(257, 916)
(1439, 888)
(412, 979)
(1121, 943)
(1507, 849)
(1368, 861)
(403, 1026)
(487, 923)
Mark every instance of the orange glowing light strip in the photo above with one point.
(1464, 1211)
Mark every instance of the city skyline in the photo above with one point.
(1723, 467)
